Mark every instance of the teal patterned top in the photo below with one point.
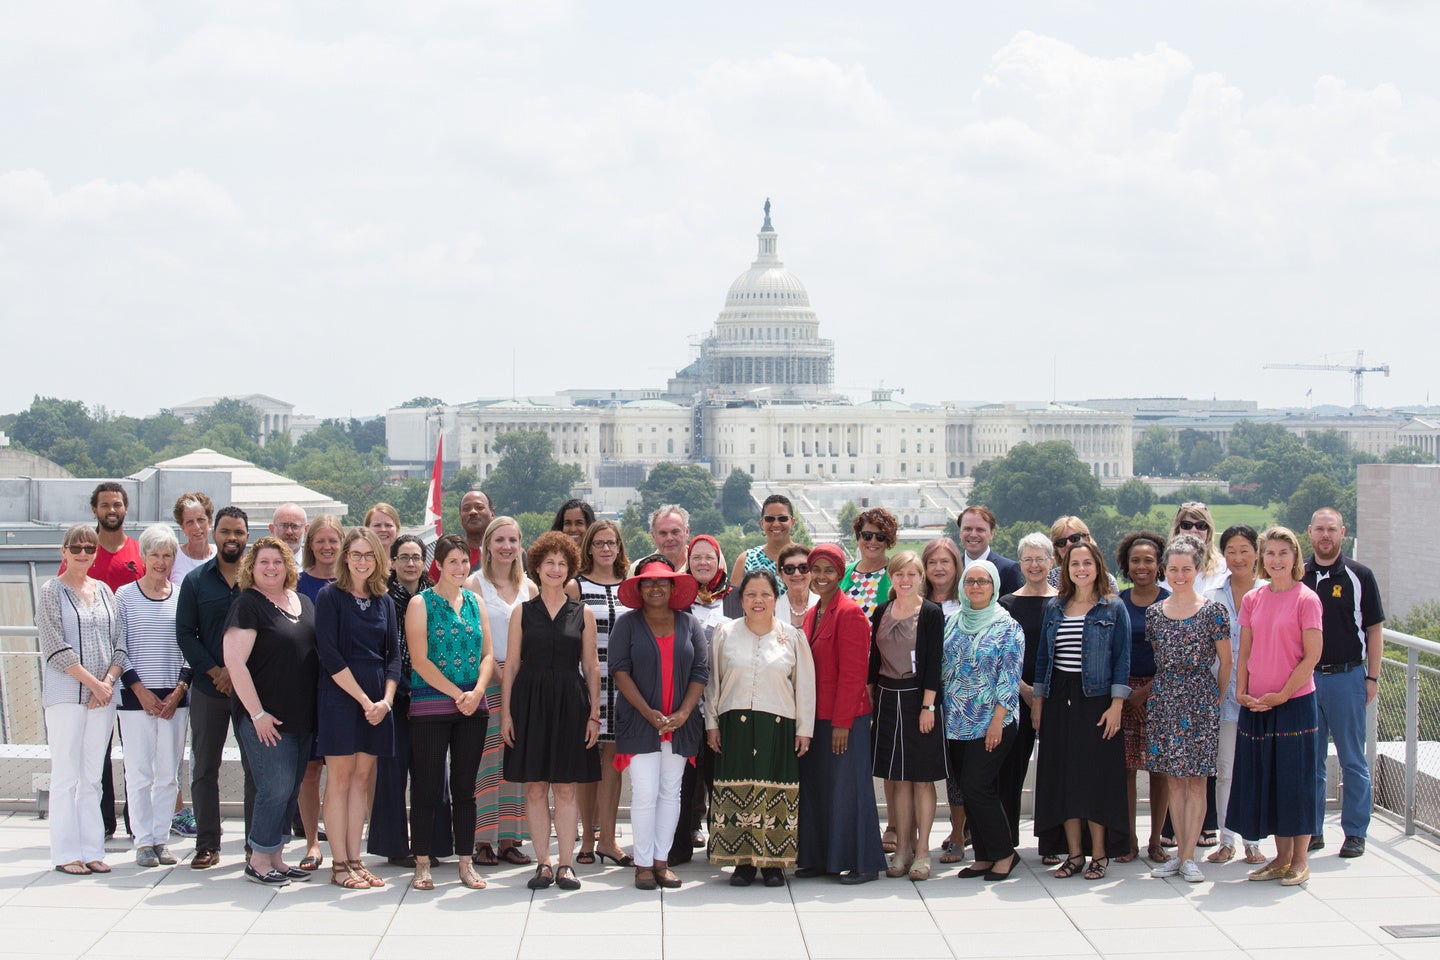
(455, 644)
(978, 672)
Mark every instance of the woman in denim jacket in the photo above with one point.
(1082, 673)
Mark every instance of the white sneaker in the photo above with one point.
(1190, 872)
(1167, 869)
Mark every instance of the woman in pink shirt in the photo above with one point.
(1277, 751)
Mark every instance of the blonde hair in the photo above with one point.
(1195, 510)
(322, 522)
(901, 560)
(378, 583)
(1288, 537)
(516, 575)
(247, 563)
(389, 511)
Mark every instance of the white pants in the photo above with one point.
(153, 749)
(1224, 775)
(78, 738)
(655, 803)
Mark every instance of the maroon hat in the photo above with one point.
(683, 590)
(831, 552)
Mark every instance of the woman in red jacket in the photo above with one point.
(839, 826)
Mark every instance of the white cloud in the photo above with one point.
(28, 194)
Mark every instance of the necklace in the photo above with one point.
(284, 611)
(362, 602)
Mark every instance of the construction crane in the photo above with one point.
(1356, 369)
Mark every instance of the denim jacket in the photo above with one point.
(1104, 651)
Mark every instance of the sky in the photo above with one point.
(348, 204)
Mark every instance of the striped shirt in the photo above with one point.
(1067, 644)
(155, 658)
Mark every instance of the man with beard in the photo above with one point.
(290, 524)
(475, 515)
(117, 562)
(206, 594)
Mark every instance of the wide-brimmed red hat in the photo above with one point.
(684, 587)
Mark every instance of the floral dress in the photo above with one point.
(1183, 723)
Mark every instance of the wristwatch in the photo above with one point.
(928, 706)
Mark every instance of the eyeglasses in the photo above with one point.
(781, 518)
(604, 544)
(366, 557)
(1194, 525)
(790, 569)
(970, 582)
(1063, 542)
(1034, 560)
(409, 558)
(289, 527)
(868, 535)
(79, 548)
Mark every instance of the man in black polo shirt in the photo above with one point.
(1348, 674)
(206, 594)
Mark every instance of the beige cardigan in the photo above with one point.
(773, 673)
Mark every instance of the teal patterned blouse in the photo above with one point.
(455, 644)
(978, 672)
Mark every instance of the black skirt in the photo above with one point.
(1079, 774)
(898, 750)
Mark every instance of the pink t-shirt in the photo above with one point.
(1276, 645)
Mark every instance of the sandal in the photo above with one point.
(312, 863)
(422, 879)
(618, 858)
(1155, 853)
(899, 865)
(358, 868)
(513, 854)
(889, 841)
(74, 869)
(1070, 867)
(1208, 838)
(97, 866)
(585, 856)
(565, 877)
(951, 852)
(484, 856)
(468, 876)
(1222, 854)
(351, 881)
(920, 869)
(1050, 859)
(1253, 854)
(544, 876)
(1097, 869)
(1128, 857)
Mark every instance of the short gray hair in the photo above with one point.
(1185, 545)
(667, 509)
(1038, 541)
(158, 535)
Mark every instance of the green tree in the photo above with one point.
(227, 411)
(408, 499)
(709, 521)
(423, 402)
(689, 485)
(637, 537)
(277, 453)
(845, 520)
(453, 488)
(1284, 464)
(341, 473)
(735, 501)
(800, 533)
(1037, 482)
(1201, 458)
(532, 525)
(1134, 496)
(48, 422)
(527, 479)
(1248, 438)
(1315, 491)
(1156, 453)
(1408, 455)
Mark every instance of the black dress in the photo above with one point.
(549, 700)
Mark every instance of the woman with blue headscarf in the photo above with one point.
(984, 651)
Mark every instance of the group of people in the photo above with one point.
(469, 700)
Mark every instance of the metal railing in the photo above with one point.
(1404, 737)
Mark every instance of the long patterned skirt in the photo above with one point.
(499, 804)
(755, 807)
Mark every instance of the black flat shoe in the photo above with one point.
(544, 876)
(774, 876)
(743, 876)
(565, 877)
(809, 873)
(851, 877)
(970, 873)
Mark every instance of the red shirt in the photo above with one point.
(118, 568)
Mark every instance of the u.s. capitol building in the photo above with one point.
(760, 398)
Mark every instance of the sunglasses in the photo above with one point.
(79, 548)
(1194, 525)
(1064, 542)
(790, 569)
(781, 518)
(868, 535)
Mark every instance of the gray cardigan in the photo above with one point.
(633, 650)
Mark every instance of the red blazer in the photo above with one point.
(841, 650)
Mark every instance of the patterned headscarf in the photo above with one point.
(719, 585)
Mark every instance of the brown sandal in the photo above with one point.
(422, 879)
(484, 856)
(98, 866)
(351, 881)
(358, 868)
(73, 869)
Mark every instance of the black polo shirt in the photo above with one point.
(200, 615)
(1350, 598)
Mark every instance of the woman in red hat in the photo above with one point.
(658, 664)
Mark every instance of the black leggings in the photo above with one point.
(978, 771)
(431, 738)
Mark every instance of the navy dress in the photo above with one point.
(362, 635)
(549, 701)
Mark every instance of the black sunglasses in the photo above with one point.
(1194, 525)
(781, 518)
(1074, 538)
(789, 569)
(871, 535)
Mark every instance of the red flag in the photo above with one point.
(433, 495)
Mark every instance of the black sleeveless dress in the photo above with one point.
(549, 702)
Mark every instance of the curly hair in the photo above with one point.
(551, 542)
(247, 562)
(882, 520)
(1122, 552)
